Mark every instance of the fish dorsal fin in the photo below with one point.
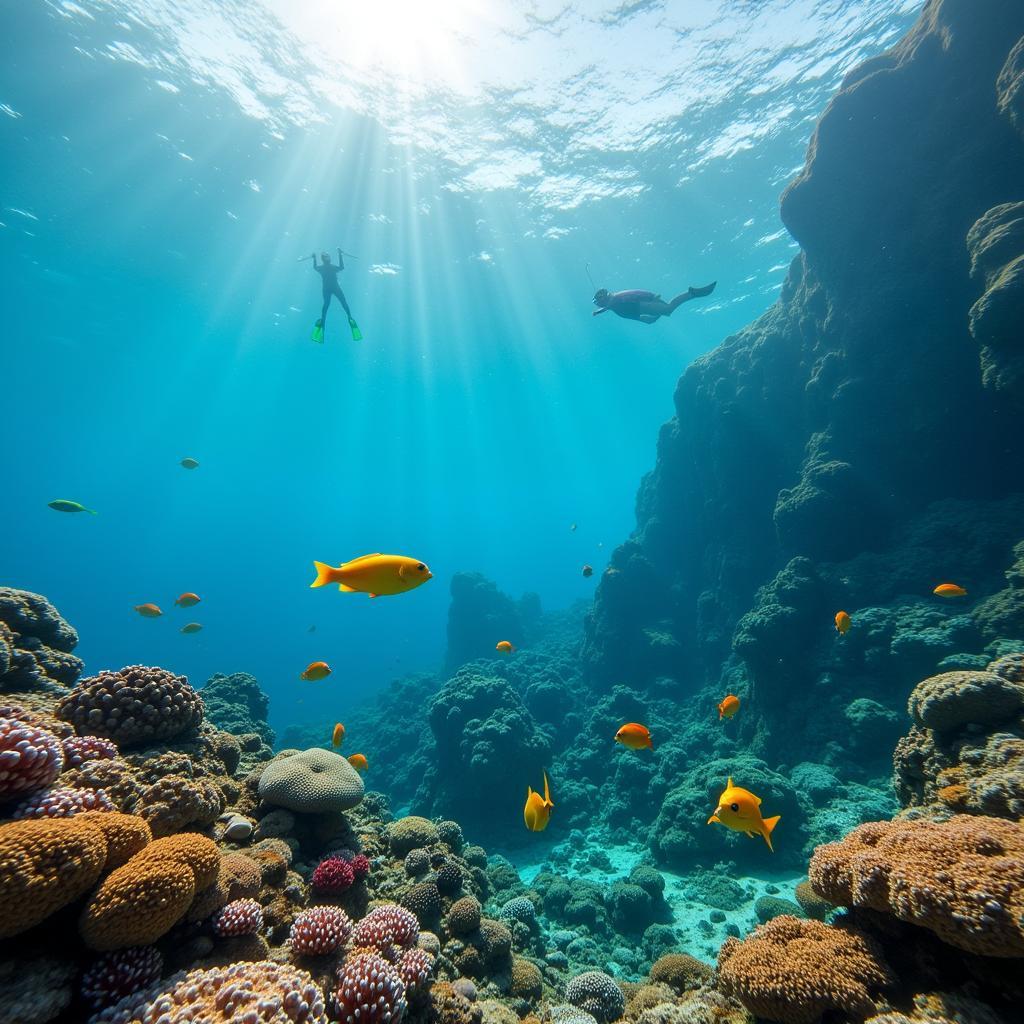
(547, 791)
(757, 800)
(361, 558)
(728, 785)
(529, 792)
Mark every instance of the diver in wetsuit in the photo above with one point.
(329, 275)
(645, 306)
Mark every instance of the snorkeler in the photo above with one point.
(645, 306)
(329, 275)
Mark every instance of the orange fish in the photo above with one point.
(740, 810)
(338, 735)
(187, 599)
(316, 670)
(729, 706)
(504, 647)
(588, 570)
(635, 736)
(359, 762)
(537, 811)
(842, 623)
(949, 590)
(149, 611)
(191, 627)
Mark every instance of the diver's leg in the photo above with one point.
(323, 312)
(341, 299)
(652, 309)
(691, 293)
(647, 318)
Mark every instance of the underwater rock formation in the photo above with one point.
(35, 644)
(480, 615)
(236, 704)
(805, 443)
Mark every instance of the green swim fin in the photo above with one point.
(318, 332)
(357, 335)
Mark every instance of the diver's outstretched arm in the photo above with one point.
(314, 261)
(598, 312)
(341, 260)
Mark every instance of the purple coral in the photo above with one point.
(370, 991)
(63, 802)
(119, 974)
(387, 926)
(240, 917)
(333, 876)
(79, 749)
(320, 930)
(30, 758)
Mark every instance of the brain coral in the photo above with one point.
(35, 644)
(597, 994)
(311, 781)
(253, 993)
(963, 879)
(680, 971)
(145, 897)
(411, 833)
(134, 707)
(30, 758)
(370, 991)
(794, 970)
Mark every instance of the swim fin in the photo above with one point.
(318, 332)
(357, 335)
(699, 293)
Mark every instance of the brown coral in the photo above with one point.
(125, 835)
(174, 803)
(410, 833)
(144, 898)
(962, 879)
(794, 971)
(680, 971)
(813, 905)
(527, 981)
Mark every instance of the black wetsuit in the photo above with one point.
(329, 275)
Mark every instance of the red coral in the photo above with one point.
(333, 876)
(370, 991)
(320, 930)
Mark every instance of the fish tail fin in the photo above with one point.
(92, 511)
(649, 744)
(323, 574)
(769, 827)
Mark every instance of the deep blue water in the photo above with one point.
(166, 165)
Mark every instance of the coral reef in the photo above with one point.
(480, 615)
(35, 644)
(236, 704)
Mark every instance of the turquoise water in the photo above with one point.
(167, 165)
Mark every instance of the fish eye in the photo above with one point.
(421, 567)
(734, 807)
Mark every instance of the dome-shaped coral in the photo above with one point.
(415, 968)
(526, 980)
(417, 862)
(679, 971)
(597, 994)
(133, 707)
(424, 900)
(519, 909)
(795, 971)
(62, 802)
(385, 927)
(370, 991)
(116, 975)
(449, 878)
(464, 916)
(450, 833)
(311, 781)
(240, 917)
(332, 877)
(411, 833)
(30, 758)
(319, 931)
(144, 898)
(79, 749)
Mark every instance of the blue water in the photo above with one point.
(165, 166)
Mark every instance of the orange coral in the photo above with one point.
(45, 864)
(125, 834)
(145, 897)
(794, 971)
(962, 879)
(954, 796)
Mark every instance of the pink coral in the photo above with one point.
(116, 975)
(79, 749)
(63, 802)
(240, 917)
(386, 926)
(320, 930)
(415, 968)
(30, 758)
(370, 991)
(333, 876)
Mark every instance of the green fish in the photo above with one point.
(63, 505)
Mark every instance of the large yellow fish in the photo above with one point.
(740, 810)
(537, 811)
(375, 574)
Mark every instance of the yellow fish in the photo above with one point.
(315, 671)
(740, 810)
(537, 811)
(504, 647)
(843, 623)
(338, 735)
(949, 590)
(359, 762)
(375, 574)
(729, 706)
